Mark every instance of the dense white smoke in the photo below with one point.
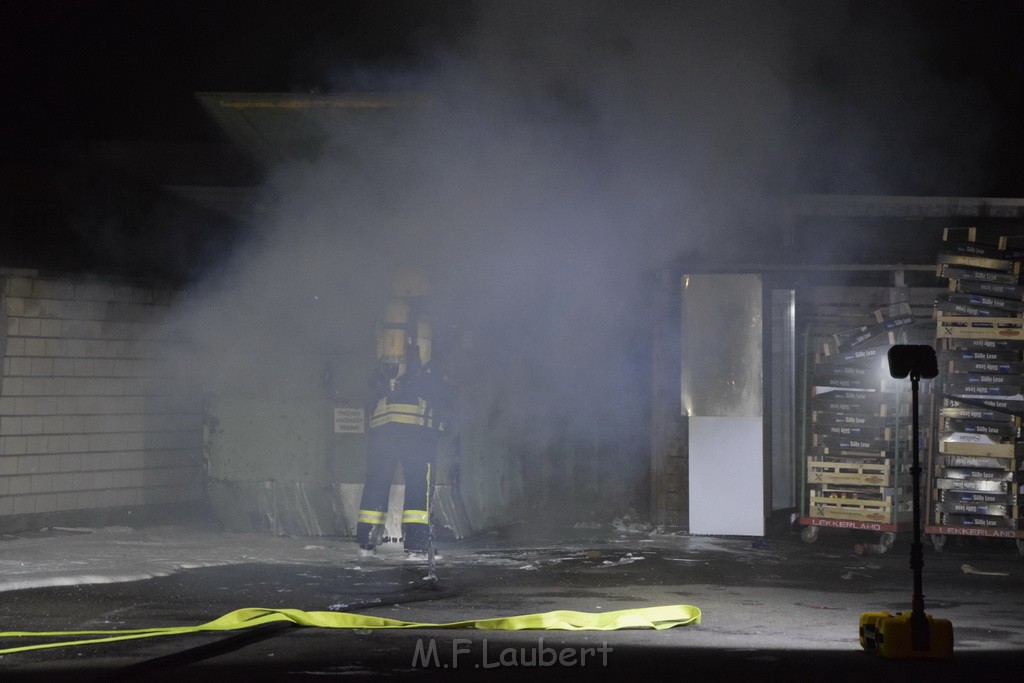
(564, 152)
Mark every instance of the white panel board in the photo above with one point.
(726, 476)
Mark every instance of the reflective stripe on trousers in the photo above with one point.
(371, 516)
(415, 517)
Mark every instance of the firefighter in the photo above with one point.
(406, 419)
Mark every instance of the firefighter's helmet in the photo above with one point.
(410, 283)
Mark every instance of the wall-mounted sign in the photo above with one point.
(349, 421)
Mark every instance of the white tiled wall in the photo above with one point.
(90, 416)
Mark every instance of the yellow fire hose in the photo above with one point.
(658, 618)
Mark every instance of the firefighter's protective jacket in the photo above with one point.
(419, 397)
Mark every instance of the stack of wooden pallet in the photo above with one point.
(854, 469)
(975, 475)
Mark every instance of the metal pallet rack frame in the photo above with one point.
(855, 466)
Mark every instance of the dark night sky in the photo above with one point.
(118, 69)
(75, 72)
(871, 85)
(107, 69)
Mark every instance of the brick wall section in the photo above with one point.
(90, 417)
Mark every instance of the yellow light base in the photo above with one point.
(891, 636)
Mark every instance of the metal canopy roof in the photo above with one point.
(277, 127)
(865, 206)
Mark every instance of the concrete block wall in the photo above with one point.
(91, 418)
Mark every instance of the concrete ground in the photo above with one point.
(773, 608)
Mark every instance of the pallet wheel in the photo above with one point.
(888, 539)
(809, 534)
(938, 542)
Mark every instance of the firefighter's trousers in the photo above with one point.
(415, 448)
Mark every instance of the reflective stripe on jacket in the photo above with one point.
(404, 413)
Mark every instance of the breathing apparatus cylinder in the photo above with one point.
(424, 341)
(392, 340)
(404, 325)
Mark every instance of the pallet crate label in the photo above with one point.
(1015, 292)
(974, 474)
(955, 272)
(868, 408)
(967, 437)
(851, 443)
(971, 531)
(978, 521)
(972, 249)
(967, 310)
(897, 322)
(976, 378)
(1005, 405)
(1004, 266)
(973, 509)
(990, 355)
(968, 485)
(983, 389)
(995, 450)
(875, 353)
(995, 429)
(985, 367)
(858, 432)
(841, 382)
(975, 497)
(853, 339)
(998, 344)
(978, 413)
(984, 328)
(970, 461)
(974, 299)
(821, 452)
(853, 419)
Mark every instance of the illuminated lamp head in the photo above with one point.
(916, 360)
